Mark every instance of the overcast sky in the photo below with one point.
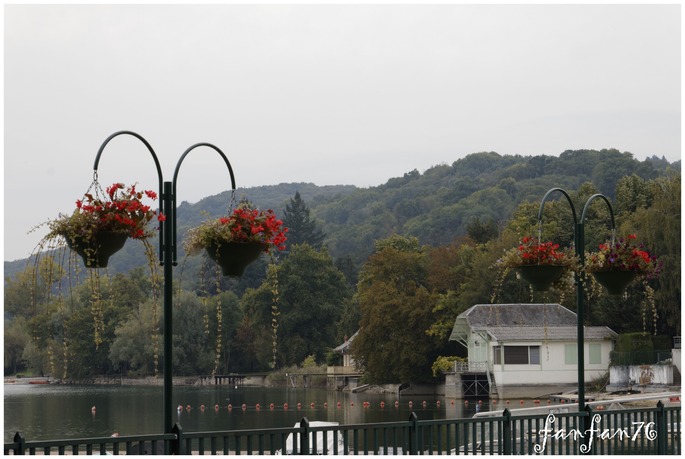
(329, 94)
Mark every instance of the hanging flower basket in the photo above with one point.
(617, 263)
(615, 281)
(101, 223)
(234, 257)
(237, 240)
(541, 277)
(96, 250)
(541, 264)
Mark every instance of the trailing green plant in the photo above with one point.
(119, 210)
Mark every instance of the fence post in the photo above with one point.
(304, 437)
(177, 444)
(506, 432)
(413, 434)
(661, 428)
(586, 440)
(21, 443)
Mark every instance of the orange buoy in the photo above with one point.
(311, 405)
(230, 407)
(549, 401)
(600, 407)
(244, 407)
(536, 401)
(299, 405)
(521, 402)
(382, 404)
(563, 401)
(325, 404)
(339, 404)
(188, 408)
(271, 406)
(452, 402)
(285, 406)
(397, 403)
(202, 407)
(507, 402)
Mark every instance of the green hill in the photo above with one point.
(436, 206)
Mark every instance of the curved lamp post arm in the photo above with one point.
(568, 198)
(605, 199)
(162, 236)
(582, 221)
(173, 192)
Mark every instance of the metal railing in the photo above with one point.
(632, 431)
(470, 367)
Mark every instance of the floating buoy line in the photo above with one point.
(338, 405)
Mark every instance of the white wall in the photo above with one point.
(553, 368)
(624, 375)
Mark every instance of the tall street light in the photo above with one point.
(579, 243)
(167, 253)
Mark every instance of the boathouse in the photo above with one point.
(345, 377)
(525, 350)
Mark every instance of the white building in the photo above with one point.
(529, 350)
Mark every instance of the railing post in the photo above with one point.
(506, 432)
(21, 443)
(586, 440)
(661, 428)
(304, 437)
(177, 444)
(413, 434)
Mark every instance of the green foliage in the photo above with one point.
(309, 361)
(631, 342)
(396, 305)
(427, 242)
(301, 228)
(445, 364)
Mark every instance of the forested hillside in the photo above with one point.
(443, 229)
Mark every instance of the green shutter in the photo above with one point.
(571, 354)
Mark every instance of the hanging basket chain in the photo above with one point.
(96, 187)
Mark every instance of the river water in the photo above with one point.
(45, 412)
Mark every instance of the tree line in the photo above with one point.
(403, 297)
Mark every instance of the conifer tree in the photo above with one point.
(301, 228)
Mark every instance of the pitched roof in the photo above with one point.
(345, 347)
(525, 322)
(523, 314)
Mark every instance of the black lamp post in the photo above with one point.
(167, 253)
(579, 242)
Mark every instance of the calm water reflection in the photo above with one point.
(53, 411)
